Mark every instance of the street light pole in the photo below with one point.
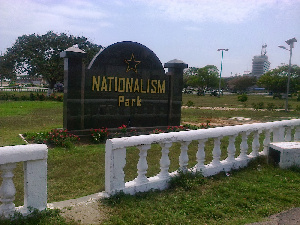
(290, 42)
(221, 49)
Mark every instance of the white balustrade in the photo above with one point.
(7, 190)
(231, 148)
(184, 158)
(34, 158)
(115, 158)
(297, 134)
(244, 145)
(164, 160)
(255, 144)
(217, 151)
(288, 135)
(267, 141)
(142, 165)
(200, 155)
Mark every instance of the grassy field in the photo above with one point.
(80, 171)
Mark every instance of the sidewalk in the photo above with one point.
(289, 217)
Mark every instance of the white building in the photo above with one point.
(260, 63)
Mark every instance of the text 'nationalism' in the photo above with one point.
(128, 85)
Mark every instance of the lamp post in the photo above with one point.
(290, 42)
(221, 49)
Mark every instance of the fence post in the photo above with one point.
(35, 184)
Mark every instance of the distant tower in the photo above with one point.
(260, 63)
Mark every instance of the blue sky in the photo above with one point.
(189, 30)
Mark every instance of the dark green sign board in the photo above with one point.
(124, 84)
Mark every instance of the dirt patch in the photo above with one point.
(86, 213)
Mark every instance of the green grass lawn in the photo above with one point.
(79, 171)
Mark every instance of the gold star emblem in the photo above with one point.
(131, 64)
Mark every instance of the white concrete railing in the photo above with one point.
(34, 158)
(115, 156)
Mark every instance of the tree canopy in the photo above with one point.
(276, 80)
(241, 84)
(205, 77)
(39, 55)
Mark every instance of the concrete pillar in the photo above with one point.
(175, 72)
(73, 111)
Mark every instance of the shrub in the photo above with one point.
(123, 129)
(190, 103)
(156, 131)
(56, 137)
(270, 106)
(32, 97)
(99, 135)
(257, 106)
(191, 127)
(297, 108)
(242, 98)
(175, 128)
(40, 97)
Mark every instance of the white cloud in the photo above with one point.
(227, 11)
(30, 16)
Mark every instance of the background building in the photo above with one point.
(260, 63)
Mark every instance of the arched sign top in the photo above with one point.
(128, 57)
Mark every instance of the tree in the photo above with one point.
(206, 77)
(241, 84)
(39, 55)
(276, 80)
(188, 74)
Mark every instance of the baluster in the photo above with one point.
(200, 155)
(297, 134)
(118, 175)
(184, 158)
(142, 165)
(231, 148)
(255, 144)
(267, 141)
(244, 146)
(7, 190)
(288, 135)
(216, 151)
(164, 161)
(278, 134)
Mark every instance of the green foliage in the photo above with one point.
(190, 104)
(175, 128)
(241, 84)
(271, 106)
(123, 129)
(226, 198)
(297, 108)
(186, 180)
(242, 98)
(41, 55)
(259, 105)
(99, 135)
(206, 77)
(33, 96)
(47, 216)
(56, 137)
(276, 79)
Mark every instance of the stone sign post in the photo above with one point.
(125, 84)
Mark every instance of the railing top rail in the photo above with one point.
(197, 134)
(22, 153)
